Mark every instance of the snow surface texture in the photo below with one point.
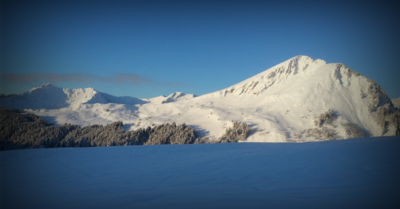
(280, 104)
(354, 173)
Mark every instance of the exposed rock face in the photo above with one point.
(396, 102)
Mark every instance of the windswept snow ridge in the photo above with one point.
(286, 103)
(177, 96)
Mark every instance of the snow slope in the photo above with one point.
(354, 173)
(280, 104)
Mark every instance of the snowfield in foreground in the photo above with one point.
(352, 173)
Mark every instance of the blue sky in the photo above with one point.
(150, 48)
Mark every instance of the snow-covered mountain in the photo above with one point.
(301, 99)
(48, 96)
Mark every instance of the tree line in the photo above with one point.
(20, 130)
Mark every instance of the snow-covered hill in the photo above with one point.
(288, 102)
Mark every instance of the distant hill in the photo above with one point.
(48, 96)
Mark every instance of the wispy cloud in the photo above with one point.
(117, 79)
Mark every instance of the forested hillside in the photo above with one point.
(19, 130)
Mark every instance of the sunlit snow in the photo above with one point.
(279, 104)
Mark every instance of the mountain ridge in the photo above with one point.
(262, 81)
(300, 99)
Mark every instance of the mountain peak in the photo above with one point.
(45, 86)
(48, 85)
(296, 67)
(49, 96)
